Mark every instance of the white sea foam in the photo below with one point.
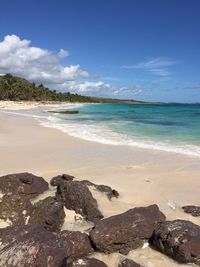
(104, 135)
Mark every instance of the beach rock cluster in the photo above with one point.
(35, 237)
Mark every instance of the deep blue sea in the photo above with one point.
(168, 127)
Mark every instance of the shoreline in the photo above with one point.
(142, 177)
(100, 134)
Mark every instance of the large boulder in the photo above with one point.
(49, 213)
(87, 262)
(76, 196)
(178, 239)
(110, 193)
(193, 210)
(15, 209)
(33, 245)
(128, 263)
(126, 231)
(23, 184)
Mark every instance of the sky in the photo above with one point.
(129, 49)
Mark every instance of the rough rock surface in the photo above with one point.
(102, 188)
(178, 239)
(15, 209)
(193, 210)
(23, 184)
(59, 178)
(30, 245)
(128, 263)
(87, 262)
(49, 213)
(126, 231)
(76, 196)
(34, 246)
(77, 244)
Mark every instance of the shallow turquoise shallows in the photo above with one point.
(169, 127)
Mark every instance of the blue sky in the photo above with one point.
(140, 49)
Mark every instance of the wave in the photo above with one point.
(104, 135)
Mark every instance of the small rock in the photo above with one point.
(193, 210)
(126, 231)
(102, 188)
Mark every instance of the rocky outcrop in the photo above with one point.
(15, 209)
(23, 184)
(49, 213)
(102, 188)
(59, 178)
(32, 245)
(178, 239)
(76, 196)
(128, 263)
(126, 231)
(193, 210)
(87, 262)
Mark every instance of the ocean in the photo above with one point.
(166, 127)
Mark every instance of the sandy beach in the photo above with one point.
(141, 176)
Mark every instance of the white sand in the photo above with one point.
(142, 177)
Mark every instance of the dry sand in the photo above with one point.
(142, 177)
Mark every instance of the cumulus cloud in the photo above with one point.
(18, 57)
(102, 89)
(157, 66)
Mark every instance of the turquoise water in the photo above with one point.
(173, 127)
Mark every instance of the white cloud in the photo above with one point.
(102, 89)
(157, 66)
(18, 57)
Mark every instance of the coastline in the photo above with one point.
(141, 176)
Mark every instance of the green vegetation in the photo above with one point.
(17, 89)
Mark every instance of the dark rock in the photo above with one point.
(64, 111)
(126, 231)
(76, 196)
(128, 263)
(15, 208)
(59, 178)
(87, 262)
(193, 210)
(49, 213)
(178, 239)
(30, 246)
(77, 244)
(23, 184)
(102, 188)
